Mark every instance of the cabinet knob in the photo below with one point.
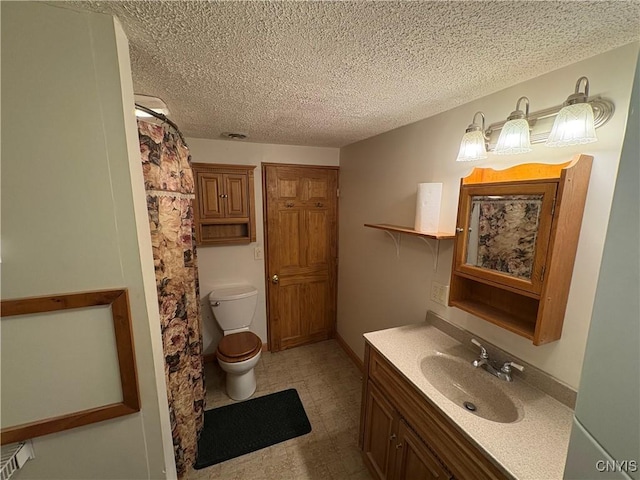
(459, 230)
(275, 279)
(399, 446)
(392, 437)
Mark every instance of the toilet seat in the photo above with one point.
(238, 347)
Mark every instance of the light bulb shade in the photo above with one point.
(514, 138)
(574, 125)
(472, 147)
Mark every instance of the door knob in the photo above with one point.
(275, 279)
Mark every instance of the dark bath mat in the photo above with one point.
(245, 427)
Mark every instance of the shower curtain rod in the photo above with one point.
(162, 117)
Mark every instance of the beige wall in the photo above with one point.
(231, 264)
(378, 183)
(74, 219)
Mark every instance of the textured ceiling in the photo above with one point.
(331, 73)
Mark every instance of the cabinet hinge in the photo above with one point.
(542, 273)
(338, 192)
(553, 207)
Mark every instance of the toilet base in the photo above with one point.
(241, 386)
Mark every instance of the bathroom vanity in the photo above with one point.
(413, 426)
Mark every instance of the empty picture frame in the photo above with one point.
(118, 301)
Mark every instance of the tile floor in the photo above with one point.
(329, 385)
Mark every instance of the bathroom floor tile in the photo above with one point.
(329, 386)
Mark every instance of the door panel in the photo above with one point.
(316, 294)
(318, 252)
(287, 250)
(288, 187)
(317, 189)
(301, 249)
(288, 305)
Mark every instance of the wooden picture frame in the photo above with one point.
(118, 300)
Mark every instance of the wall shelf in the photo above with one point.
(396, 231)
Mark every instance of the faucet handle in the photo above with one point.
(483, 351)
(509, 365)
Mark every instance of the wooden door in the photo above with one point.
(380, 434)
(301, 242)
(414, 461)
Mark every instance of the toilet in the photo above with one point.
(239, 349)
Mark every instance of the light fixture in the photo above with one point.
(473, 144)
(155, 104)
(514, 136)
(574, 124)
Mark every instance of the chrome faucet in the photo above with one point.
(503, 373)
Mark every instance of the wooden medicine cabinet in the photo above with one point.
(224, 208)
(516, 238)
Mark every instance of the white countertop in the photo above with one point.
(534, 447)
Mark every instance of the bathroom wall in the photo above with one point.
(231, 264)
(378, 181)
(74, 219)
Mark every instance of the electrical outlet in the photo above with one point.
(257, 253)
(440, 293)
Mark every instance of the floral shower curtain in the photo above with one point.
(170, 191)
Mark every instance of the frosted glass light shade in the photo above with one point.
(514, 138)
(472, 147)
(574, 125)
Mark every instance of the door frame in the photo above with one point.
(265, 232)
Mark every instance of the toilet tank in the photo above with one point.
(233, 306)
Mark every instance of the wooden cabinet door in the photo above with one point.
(380, 437)
(414, 461)
(236, 190)
(301, 249)
(210, 195)
(504, 232)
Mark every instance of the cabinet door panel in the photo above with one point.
(236, 199)
(211, 202)
(414, 460)
(380, 425)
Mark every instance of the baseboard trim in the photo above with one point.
(352, 355)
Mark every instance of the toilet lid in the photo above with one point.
(239, 347)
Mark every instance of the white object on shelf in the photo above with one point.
(14, 456)
(428, 202)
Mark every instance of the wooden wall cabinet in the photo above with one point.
(225, 204)
(404, 437)
(516, 239)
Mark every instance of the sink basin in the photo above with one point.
(472, 389)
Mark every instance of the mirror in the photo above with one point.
(502, 233)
